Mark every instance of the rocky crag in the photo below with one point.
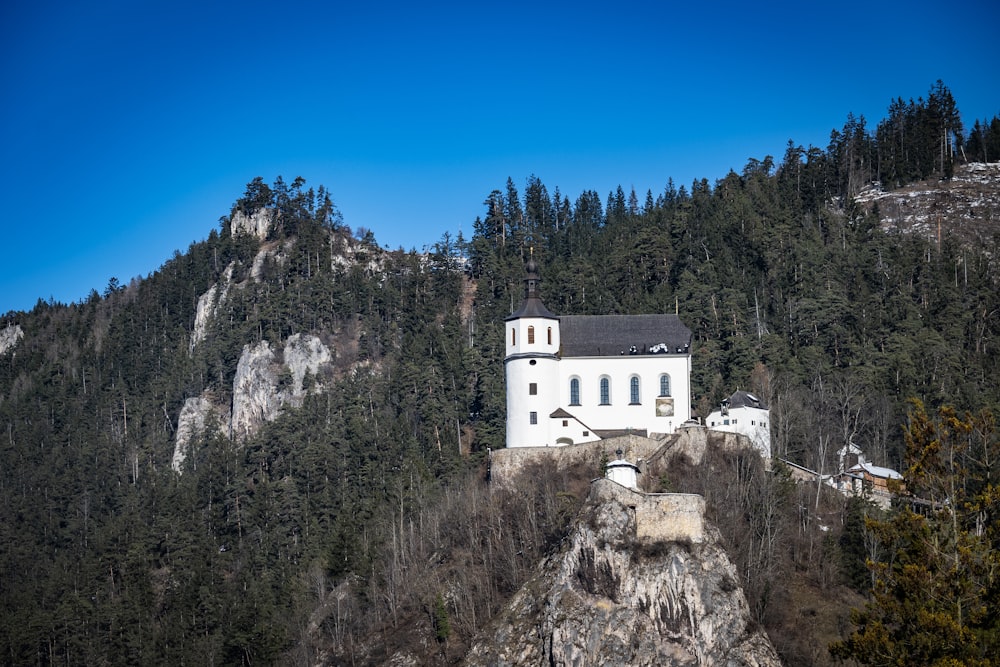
(641, 580)
(9, 337)
(267, 379)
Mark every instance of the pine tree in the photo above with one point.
(935, 596)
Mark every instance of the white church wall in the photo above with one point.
(653, 413)
(540, 409)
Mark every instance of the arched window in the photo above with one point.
(633, 390)
(605, 391)
(664, 385)
(574, 391)
(550, 335)
(531, 335)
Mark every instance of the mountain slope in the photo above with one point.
(372, 386)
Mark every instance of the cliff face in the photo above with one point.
(259, 391)
(198, 414)
(265, 383)
(256, 224)
(9, 336)
(629, 588)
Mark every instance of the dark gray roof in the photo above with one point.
(618, 432)
(532, 306)
(611, 335)
(743, 399)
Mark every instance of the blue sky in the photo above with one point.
(129, 128)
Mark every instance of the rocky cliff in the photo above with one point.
(641, 580)
(9, 336)
(257, 224)
(966, 206)
(197, 416)
(265, 382)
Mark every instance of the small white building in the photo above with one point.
(744, 413)
(583, 378)
(623, 472)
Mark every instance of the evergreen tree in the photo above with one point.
(935, 596)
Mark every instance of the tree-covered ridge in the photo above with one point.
(110, 557)
(354, 516)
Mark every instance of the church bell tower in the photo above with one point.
(531, 366)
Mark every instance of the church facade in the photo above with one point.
(581, 378)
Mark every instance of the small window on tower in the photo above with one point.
(532, 417)
(550, 335)
(513, 336)
(531, 335)
(533, 388)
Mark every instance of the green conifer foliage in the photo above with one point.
(935, 595)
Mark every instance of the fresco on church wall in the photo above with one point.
(665, 407)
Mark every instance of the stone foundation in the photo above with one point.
(659, 517)
(507, 464)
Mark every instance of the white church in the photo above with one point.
(582, 378)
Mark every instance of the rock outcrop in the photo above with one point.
(641, 580)
(304, 357)
(208, 305)
(255, 395)
(9, 337)
(264, 384)
(256, 224)
(966, 206)
(215, 296)
(197, 414)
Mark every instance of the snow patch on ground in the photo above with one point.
(967, 205)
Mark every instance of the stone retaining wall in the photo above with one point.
(507, 464)
(659, 517)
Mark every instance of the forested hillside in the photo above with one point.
(358, 521)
